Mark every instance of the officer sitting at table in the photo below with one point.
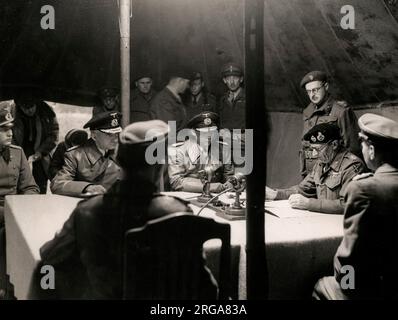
(203, 152)
(87, 253)
(322, 190)
(366, 262)
(15, 178)
(91, 168)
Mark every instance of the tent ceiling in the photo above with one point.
(82, 54)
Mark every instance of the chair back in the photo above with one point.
(164, 259)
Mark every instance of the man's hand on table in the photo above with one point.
(270, 194)
(297, 201)
(94, 189)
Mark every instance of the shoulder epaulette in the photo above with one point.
(362, 176)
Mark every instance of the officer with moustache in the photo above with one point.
(324, 108)
(322, 190)
(366, 262)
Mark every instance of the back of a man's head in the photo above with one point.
(142, 145)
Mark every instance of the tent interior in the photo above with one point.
(69, 63)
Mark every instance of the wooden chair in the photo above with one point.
(164, 259)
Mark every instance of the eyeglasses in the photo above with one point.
(315, 90)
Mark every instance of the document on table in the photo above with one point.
(282, 209)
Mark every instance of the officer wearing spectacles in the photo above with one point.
(324, 108)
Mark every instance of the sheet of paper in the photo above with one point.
(282, 209)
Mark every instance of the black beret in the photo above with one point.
(105, 121)
(204, 120)
(313, 76)
(323, 133)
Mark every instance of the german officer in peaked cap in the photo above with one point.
(370, 242)
(15, 178)
(91, 168)
(86, 254)
(324, 108)
(202, 151)
(323, 189)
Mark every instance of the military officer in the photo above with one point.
(91, 168)
(87, 253)
(141, 98)
(324, 108)
(368, 253)
(232, 104)
(202, 152)
(199, 100)
(322, 190)
(108, 100)
(15, 178)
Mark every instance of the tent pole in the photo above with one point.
(257, 271)
(125, 60)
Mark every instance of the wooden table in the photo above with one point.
(299, 249)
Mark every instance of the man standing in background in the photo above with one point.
(324, 108)
(36, 131)
(198, 98)
(141, 98)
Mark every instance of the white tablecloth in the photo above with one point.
(299, 250)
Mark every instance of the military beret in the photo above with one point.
(231, 69)
(6, 117)
(313, 76)
(376, 126)
(108, 92)
(204, 119)
(108, 122)
(323, 133)
(136, 137)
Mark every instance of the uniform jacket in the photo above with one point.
(326, 186)
(85, 165)
(370, 242)
(232, 115)
(186, 159)
(15, 176)
(140, 106)
(167, 107)
(205, 102)
(87, 253)
(47, 130)
(334, 111)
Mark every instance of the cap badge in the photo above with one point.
(8, 116)
(313, 138)
(311, 77)
(207, 121)
(320, 137)
(115, 123)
